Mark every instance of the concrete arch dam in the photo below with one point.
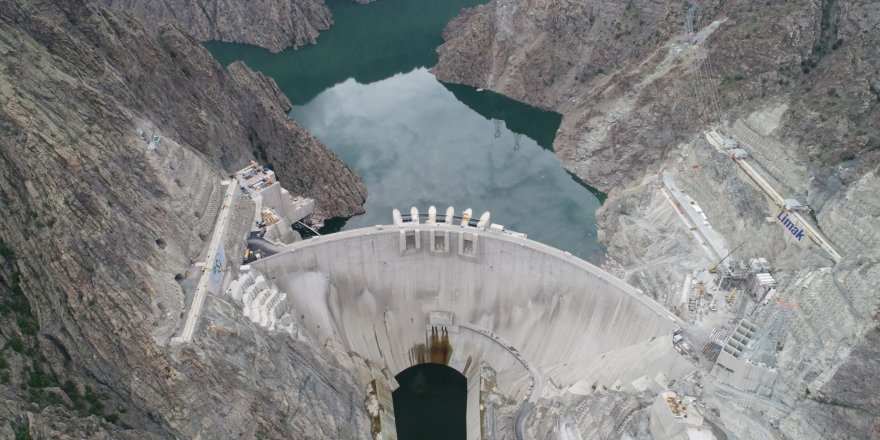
(536, 315)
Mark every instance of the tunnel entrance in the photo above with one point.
(430, 403)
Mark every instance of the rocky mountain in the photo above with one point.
(795, 82)
(98, 221)
(633, 79)
(275, 25)
(116, 135)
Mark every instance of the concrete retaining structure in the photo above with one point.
(373, 291)
(473, 416)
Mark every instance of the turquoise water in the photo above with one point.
(367, 42)
(364, 90)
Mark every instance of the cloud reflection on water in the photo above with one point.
(414, 143)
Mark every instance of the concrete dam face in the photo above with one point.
(468, 297)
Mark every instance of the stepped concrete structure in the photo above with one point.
(254, 209)
(472, 295)
(738, 371)
(546, 341)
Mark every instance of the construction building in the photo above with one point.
(735, 366)
(673, 417)
(759, 284)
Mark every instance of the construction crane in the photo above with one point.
(713, 268)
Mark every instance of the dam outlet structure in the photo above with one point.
(517, 318)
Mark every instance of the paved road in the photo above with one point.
(712, 238)
(537, 386)
(812, 232)
(195, 310)
(534, 392)
(519, 427)
(490, 420)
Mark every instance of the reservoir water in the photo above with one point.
(366, 92)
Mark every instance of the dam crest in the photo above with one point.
(470, 294)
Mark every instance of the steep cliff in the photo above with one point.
(796, 83)
(633, 79)
(97, 224)
(229, 116)
(275, 25)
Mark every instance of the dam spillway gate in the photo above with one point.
(435, 350)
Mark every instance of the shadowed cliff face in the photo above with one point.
(99, 226)
(275, 24)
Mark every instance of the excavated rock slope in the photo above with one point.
(631, 86)
(796, 82)
(275, 24)
(95, 226)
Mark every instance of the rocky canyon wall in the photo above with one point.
(275, 24)
(632, 83)
(97, 224)
(638, 81)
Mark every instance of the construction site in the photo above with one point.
(697, 349)
(373, 294)
(710, 340)
(743, 306)
(727, 237)
(683, 243)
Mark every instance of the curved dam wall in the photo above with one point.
(533, 313)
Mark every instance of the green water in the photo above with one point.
(364, 90)
(441, 393)
(366, 42)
